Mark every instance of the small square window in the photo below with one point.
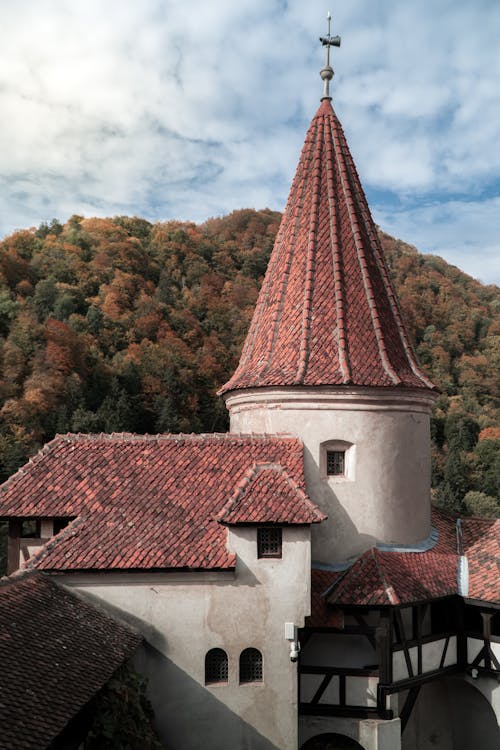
(30, 528)
(335, 463)
(269, 541)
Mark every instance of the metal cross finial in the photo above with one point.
(327, 72)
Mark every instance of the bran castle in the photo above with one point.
(293, 588)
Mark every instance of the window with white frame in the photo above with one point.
(337, 460)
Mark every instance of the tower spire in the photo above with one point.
(327, 72)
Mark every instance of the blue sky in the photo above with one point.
(168, 109)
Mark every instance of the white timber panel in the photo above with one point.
(451, 654)
(309, 683)
(432, 653)
(399, 669)
(331, 694)
(474, 646)
(495, 647)
(361, 691)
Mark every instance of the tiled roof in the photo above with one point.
(382, 578)
(481, 545)
(327, 313)
(152, 502)
(56, 653)
(268, 494)
(323, 615)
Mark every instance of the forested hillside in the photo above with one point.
(122, 325)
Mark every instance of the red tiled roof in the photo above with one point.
(323, 615)
(327, 313)
(268, 494)
(481, 546)
(151, 502)
(56, 653)
(383, 578)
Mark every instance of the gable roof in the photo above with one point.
(383, 578)
(268, 494)
(56, 651)
(327, 313)
(144, 502)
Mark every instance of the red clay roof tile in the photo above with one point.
(382, 578)
(481, 545)
(327, 313)
(56, 652)
(268, 494)
(150, 502)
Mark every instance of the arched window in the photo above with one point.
(251, 665)
(216, 669)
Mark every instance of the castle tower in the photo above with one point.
(327, 358)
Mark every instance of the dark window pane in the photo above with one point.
(269, 541)
(216, 668)
(335, 463)
(30, 528)
(443, 616)
(251, 665)
(60, 524)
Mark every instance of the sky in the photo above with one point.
(169, 109)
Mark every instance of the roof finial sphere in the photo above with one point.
(327, 72)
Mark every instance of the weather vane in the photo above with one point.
(327, 72)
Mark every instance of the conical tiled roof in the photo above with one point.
(327, 314)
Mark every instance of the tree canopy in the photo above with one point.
(123, 325)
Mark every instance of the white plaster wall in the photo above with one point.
(431, 658)
(183, 615)
(387, 496)
(489, 686)
(451, 714)
(361, 691)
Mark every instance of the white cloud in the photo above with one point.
(465, 233)
(169, 109)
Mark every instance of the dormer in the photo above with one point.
(27, 535)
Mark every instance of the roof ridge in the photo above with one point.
(310, 262)
(243, 483)
(46, 548)
(251, 473)
(337, 265)
(388, 588)
(16, 575)
(344, 172)
(32, 461)
(285, 276)
(159, 437)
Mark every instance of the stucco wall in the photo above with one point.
(452, 714)
(386, 494)
(182, 615)
(371, 734)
